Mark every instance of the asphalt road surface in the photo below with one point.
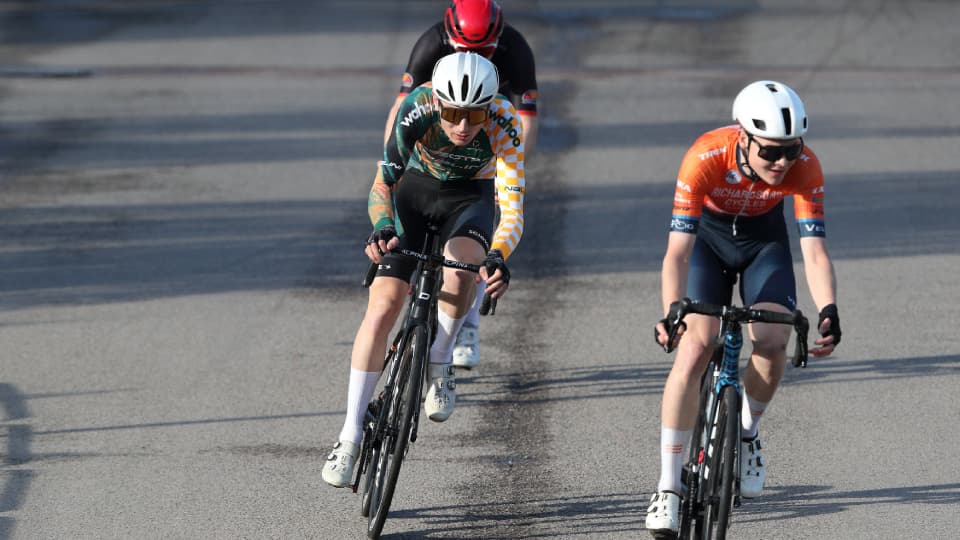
(182, 207)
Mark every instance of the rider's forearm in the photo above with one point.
(380, 204)
(676, 265)
(508, 232)
(530, 128)
(822, 282)
(673, 280)
(821, 278)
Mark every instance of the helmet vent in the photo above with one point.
(476, 95)
(787, 124)
(465, 87)
(759, 124)
(452, 93)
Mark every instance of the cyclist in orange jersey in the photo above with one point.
(728, 223)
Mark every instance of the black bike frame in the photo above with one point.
(421, 313)
(423, 290)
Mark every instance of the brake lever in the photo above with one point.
(488, 306)
(802, 327)
(371, 273)
(675, 328)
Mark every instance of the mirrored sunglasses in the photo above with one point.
(773, 152)
(456, 114)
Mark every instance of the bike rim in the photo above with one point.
(405, 403)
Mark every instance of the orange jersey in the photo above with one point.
(709, 177)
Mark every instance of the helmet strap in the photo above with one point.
(742, 162)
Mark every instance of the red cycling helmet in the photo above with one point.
(473, 24)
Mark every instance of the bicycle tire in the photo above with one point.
(404, 405)
(691, 508)
(373, 430)
(373, 455)
(367, 496)
(388, 426)
(719, 499)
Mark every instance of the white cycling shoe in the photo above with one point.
(466, 351)
(663, 515)
(442, 395)
(338, 470)
(753, 469)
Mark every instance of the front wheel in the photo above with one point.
(370, 463)
(368, 484)
(718, 499)
(691, 509)
(404, 404)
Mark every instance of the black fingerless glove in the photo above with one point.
(385, 233)
(830, 312)
(493, 261)
(667, 321)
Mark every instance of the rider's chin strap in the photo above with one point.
(743, 165)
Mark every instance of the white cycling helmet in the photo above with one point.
(465, 79)
(771, 110)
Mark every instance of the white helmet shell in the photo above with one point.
(465, 79)
(771, 110)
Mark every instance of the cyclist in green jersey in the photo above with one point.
(455, 144)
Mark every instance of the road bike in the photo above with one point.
(392, 418)
(712, 470)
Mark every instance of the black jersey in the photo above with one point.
(513, 58)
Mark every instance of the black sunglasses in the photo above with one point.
(773, 152)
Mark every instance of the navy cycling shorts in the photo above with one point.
(758, 255)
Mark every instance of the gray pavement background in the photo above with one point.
(182, 199)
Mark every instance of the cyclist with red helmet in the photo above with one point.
(476, 26)
(728, 223)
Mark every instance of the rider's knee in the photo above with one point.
(461, 280)
(690, 362)
(770, 346)
(382, 312)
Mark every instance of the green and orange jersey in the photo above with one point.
(710, 178)
(418, 142)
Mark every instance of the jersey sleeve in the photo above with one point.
(413, 118)
(808, 200)
(688, 194)
(425, 53)
(507, 142)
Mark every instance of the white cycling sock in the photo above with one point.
(674, 444)
(473, 316)
(750, 416)
(362, 385)
(447, 328)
